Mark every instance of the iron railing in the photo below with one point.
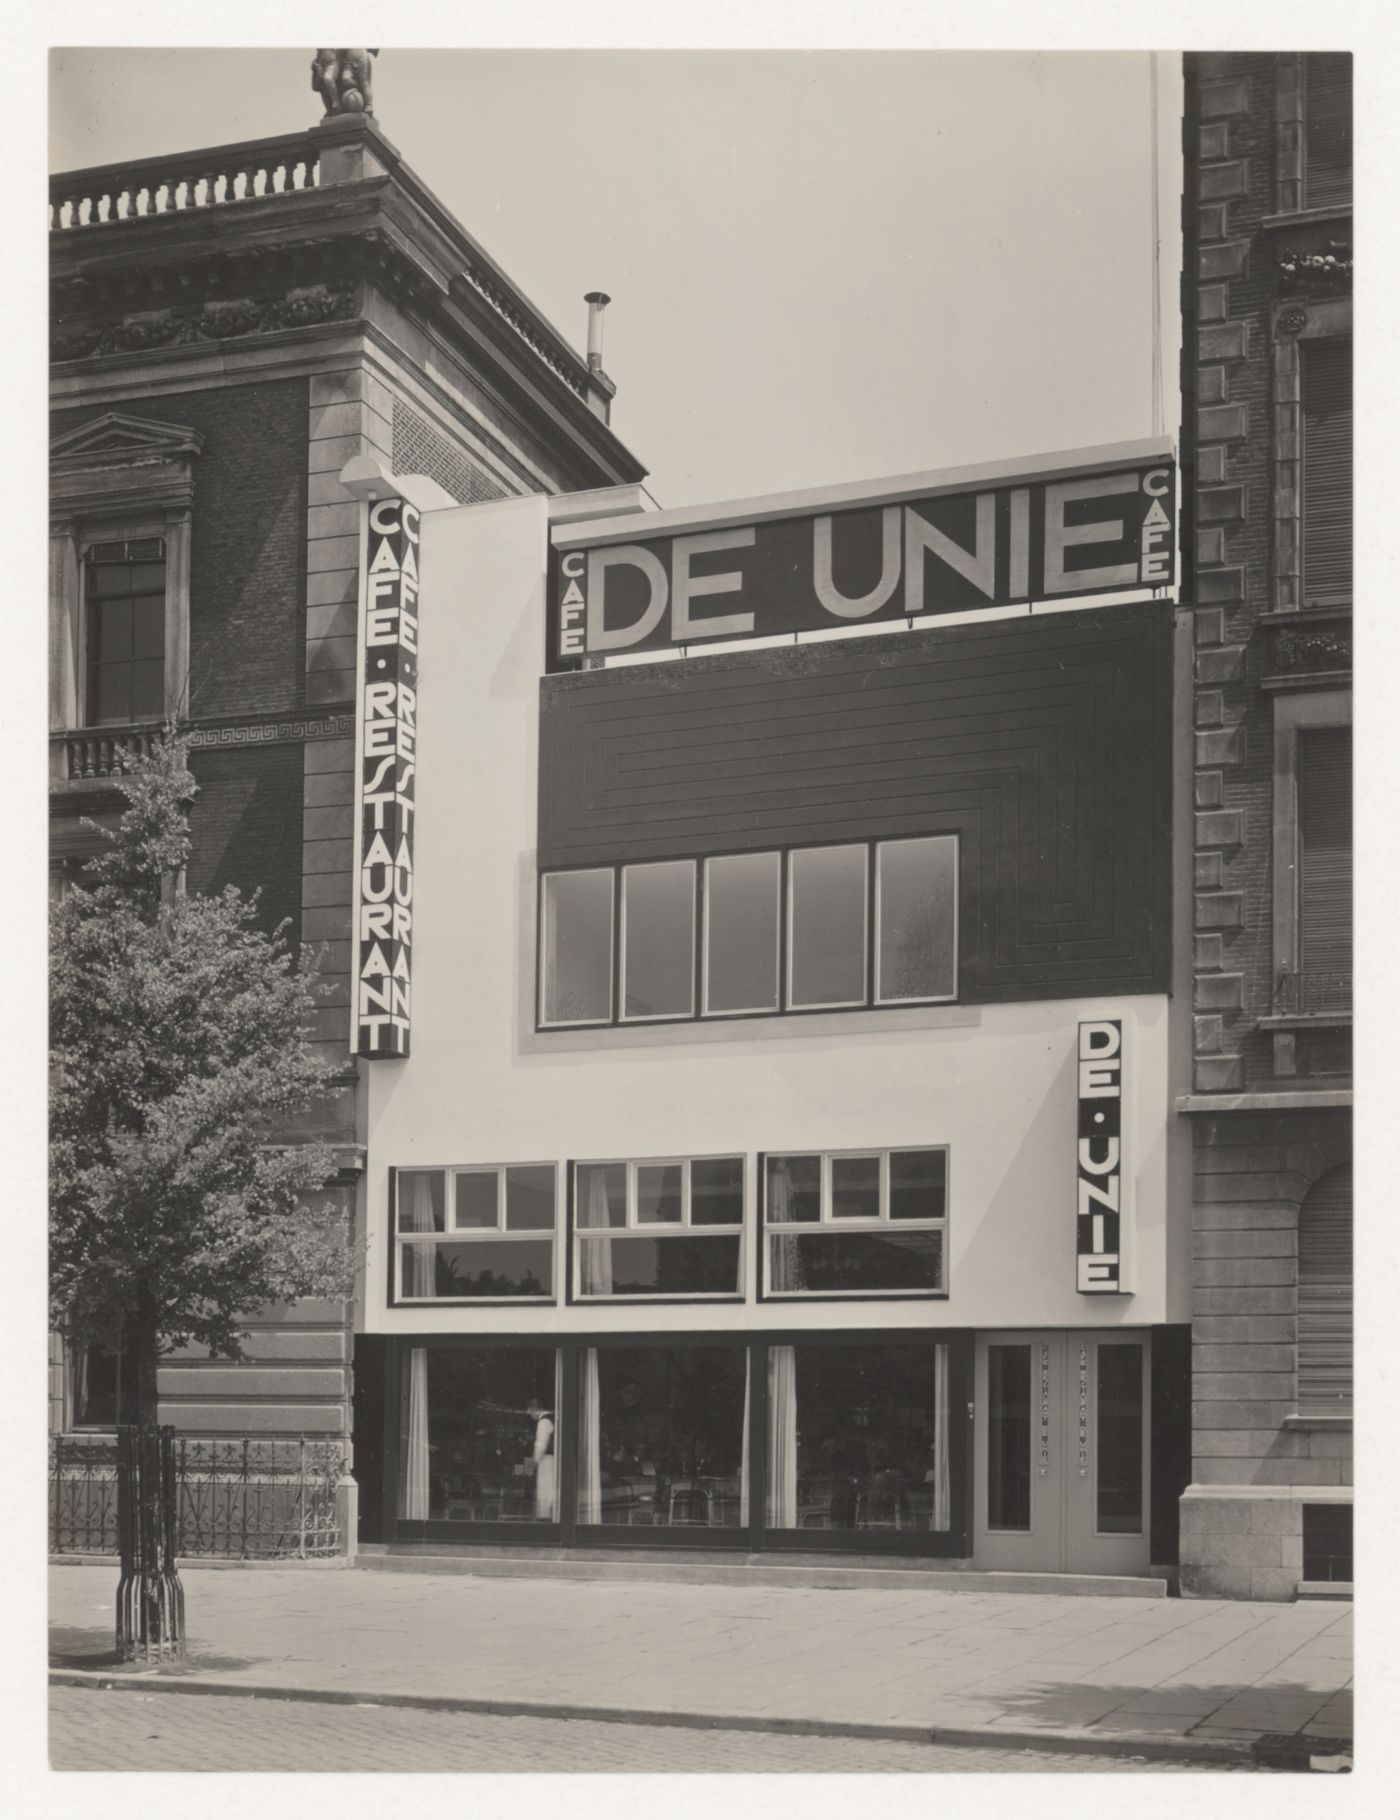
(236, 1500)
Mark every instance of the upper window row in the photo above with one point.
(751, 934)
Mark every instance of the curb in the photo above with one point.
(1082, 1743)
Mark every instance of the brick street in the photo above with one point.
(161, 1731)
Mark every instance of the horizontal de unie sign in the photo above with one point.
(1098, 1221)
(389, 731)
(995, 539)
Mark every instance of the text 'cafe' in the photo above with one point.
(764, 947)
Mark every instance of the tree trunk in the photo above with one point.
(150, 1599)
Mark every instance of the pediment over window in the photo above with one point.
(116, 440)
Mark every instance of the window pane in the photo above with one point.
(602, 1195)
(659, 1194)
(111, 694)
(634, 1263)
(114, 631)
(1119, 1450)
(148, 578)
(855, 1188)
(917, 885)
(148, 627)
(717, 1191)
(530, 1200)
(854, 1263)
(422, 1200)
(1009, 1437)
(147, 688)
(477, 1194)
(105, 579)
(918, 1184)
(858, 1437)
(794, 1190)
(741, 933)
(661, 1436)
(577, 947)
(826, 965)
(658, 943)
(479, 1440)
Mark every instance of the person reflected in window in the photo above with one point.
(541, 1463)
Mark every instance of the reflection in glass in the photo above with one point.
(826, 894)
(477, 1194)
(636, 1263)
(916, 887)
(658, 941)
(1119, 1450)
(530, 1198)
(833, 1262)
(717, 1191)
(663, 1436)
(741, 933)
(918, 1184)
(577, 938)
(858, 1437)
(1009, 1437)
(659, 1194)
(478, 1431)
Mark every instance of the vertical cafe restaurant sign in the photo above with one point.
(1100, 1158)
(1091, 523)
(388, 766)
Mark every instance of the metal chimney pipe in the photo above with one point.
(597, 302)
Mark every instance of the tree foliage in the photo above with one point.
(180, 1046)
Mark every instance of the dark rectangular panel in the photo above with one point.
(1044, 743)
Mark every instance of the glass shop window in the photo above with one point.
(663, 1436)
(477, 1234)
(479, 1437)
(742, 933)
(658, 940)
(916, 887)
(576, 939)
(670, 1227)
(858, 1224)
(858, 1437)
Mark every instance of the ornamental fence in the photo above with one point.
(240, 1500)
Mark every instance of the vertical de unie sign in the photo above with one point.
(388, 766)
(1100, 1158)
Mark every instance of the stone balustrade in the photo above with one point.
(146, 187)
(79, 755)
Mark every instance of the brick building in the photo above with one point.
(230, 327)
(1266, 528)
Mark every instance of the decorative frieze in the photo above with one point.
(222, 319)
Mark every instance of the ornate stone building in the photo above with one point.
(230, 326)
(1266, 469)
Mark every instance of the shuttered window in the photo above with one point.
(1324, 868)
(1327, 129)
(1326, 471)
(1325, 1297)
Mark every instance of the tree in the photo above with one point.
(180, 1043)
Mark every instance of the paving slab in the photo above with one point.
(1190, 1678)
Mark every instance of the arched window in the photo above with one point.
(1325, 1296)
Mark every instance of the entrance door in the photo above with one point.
(1061, 1454)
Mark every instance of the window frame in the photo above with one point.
(453, 1234)
(656, 1229)
(1295, 713)
(828, 1221)
(777, 855)
(1293, 326)
(700, 864)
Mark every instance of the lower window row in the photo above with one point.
(855, 1437)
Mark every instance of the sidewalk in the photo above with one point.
(1192, 1678)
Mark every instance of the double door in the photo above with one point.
(1061, 1454)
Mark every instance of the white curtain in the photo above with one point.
(784, 1261)
(744, 1444)
(595, 1255)
(942, 1507)
(419, 1261)
(782, 1437)
(414, 1451)
(590, 1441)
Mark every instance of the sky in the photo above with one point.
(825, 266)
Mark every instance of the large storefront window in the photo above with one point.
(663, 1436)
(479, 1434)
(858, 1437)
